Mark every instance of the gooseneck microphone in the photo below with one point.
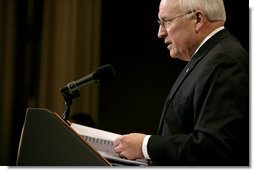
(71, 90)
(99, 75)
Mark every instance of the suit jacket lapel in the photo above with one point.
(185, 72)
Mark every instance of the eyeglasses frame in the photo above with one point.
(168, 22)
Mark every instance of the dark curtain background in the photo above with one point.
(131, 102)
(20, 35)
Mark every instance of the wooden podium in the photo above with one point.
(47, 140)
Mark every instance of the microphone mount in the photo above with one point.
(68, 97)
(71, 90)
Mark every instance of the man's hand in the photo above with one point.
(130, 146)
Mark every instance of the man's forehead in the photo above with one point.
(170, 3)
(169, 7)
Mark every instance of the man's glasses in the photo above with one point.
(166, 23)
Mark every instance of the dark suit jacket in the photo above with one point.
(205, 119)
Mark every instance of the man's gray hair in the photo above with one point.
(214, 9)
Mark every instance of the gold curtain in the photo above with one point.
(7, 44)
(70, 50)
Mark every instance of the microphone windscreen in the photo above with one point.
(104, 73)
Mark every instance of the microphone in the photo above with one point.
(99, 75)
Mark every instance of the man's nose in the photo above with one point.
(162, 32)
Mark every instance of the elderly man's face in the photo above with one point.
(179, 33)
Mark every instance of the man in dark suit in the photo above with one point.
(205, 119)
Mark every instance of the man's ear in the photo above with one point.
(200, 19)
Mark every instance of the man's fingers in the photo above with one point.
(117, 149)
(117, 141)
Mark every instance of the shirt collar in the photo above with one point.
(208, 37)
